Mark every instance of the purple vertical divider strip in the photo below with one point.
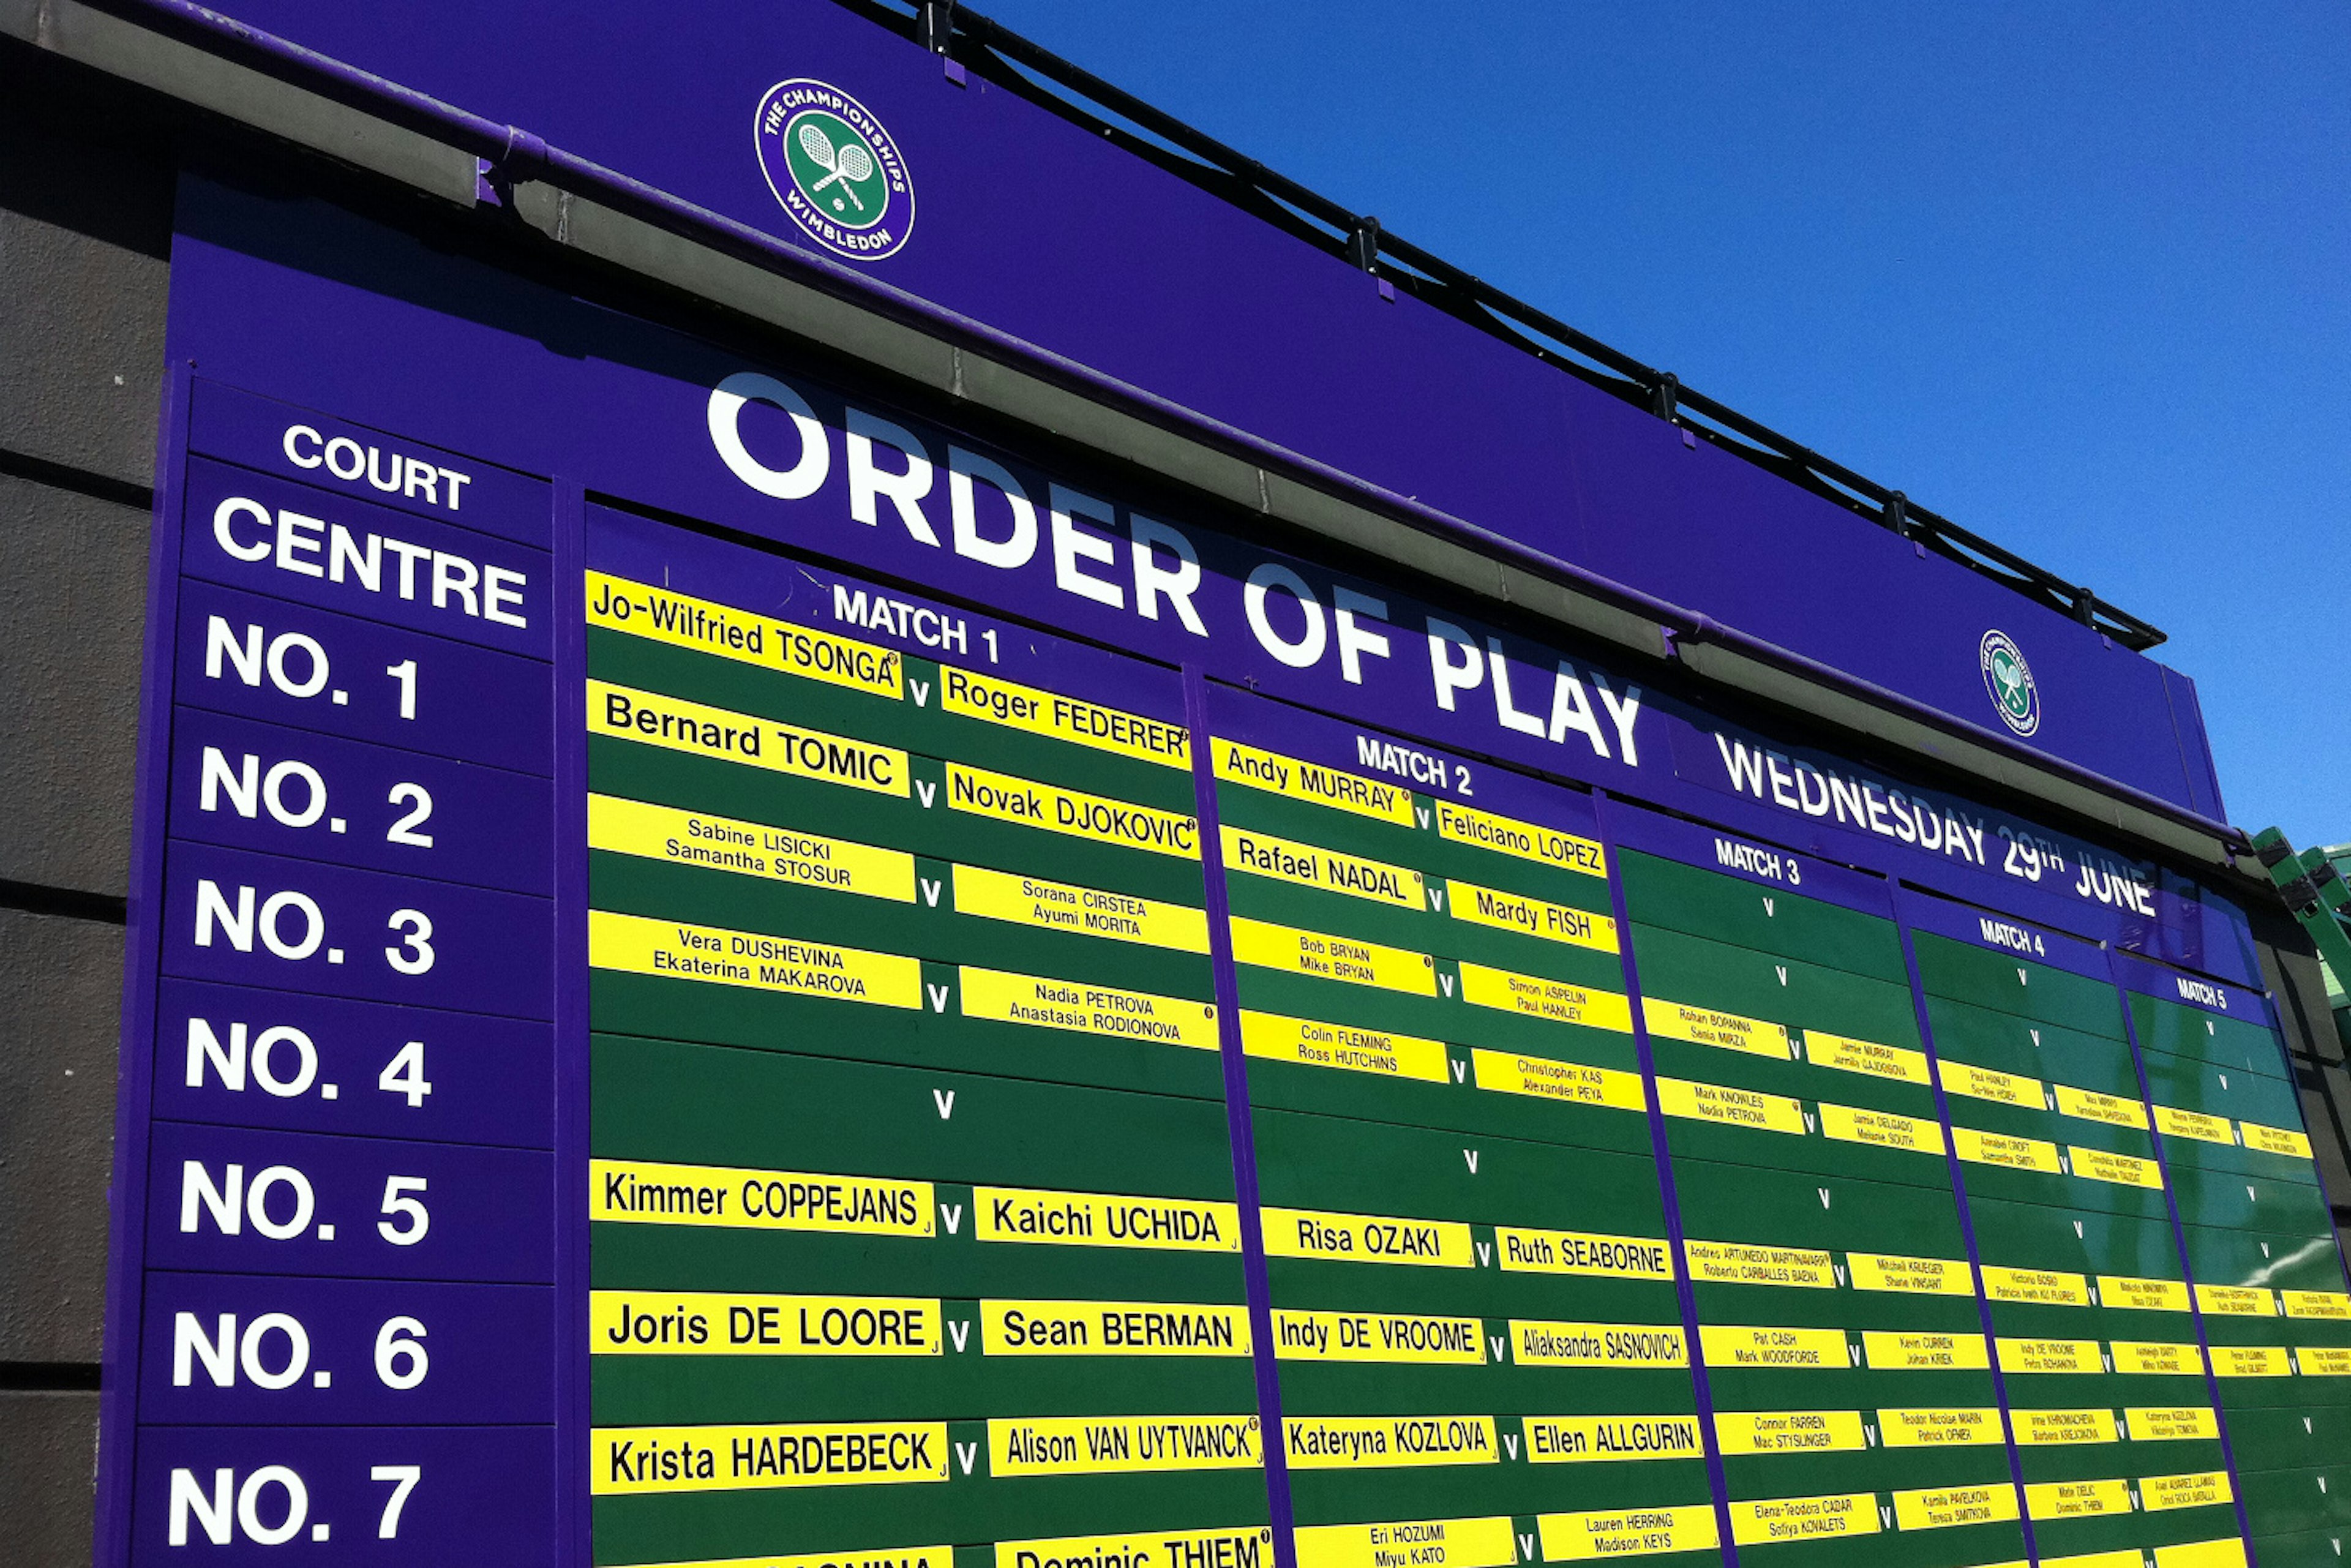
(135, 1055)
(1254, 1280)
(574, 1412)
(2187, 1269)
(1685, 1293)
(1966, 1219)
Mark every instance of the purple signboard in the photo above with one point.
(354, 1282)
(1272, 337)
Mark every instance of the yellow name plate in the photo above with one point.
(1105, 1219)
(1530, 916)
(1324, 956)
(1705, 1026)
(2000, 1088)
(1744, 1263)
(1732, 1107)
(1803, 1518)
(1584, 1439)
(1246, 1546)
(2169, 1423)
(2140, 1294)
(1922, 1276)
(635, 1460)
(2203, 1488)
(718, 1322)
(1742, 1432)
(2037, 1287)
(2275, 1140)
(1963, 1426)
(2333, 1304)
(1409, 1337)
(698, 729)
(1783, 1349)
(1012, 705)
(1074, 813)
(2122, 1170)
(1585, 1252)
(1881, 1129)
(1047, 905)
(1121, 1445)
(1555, 1001)
(1041, 1002)
(1896, 1063)
(1999, 1149)
(1009, 1327)
(640, 610)
(1914, 1351)
(1262, 854)
(2236, 1300)
(2078, 1499)
(2055, 1428)
(1938, 1508)
(2090, 1106)
(1365, 1238)
(1629, 1532)
(1526, 841)
(2159, 1358)
(2023, 1355)
(671, 950)
(2173, 1123)
(1539, 1341)
(645, 1192)
(759, 850)
(1273, 1037)
(1423, 1542)
(1350, 1442)
(1311, 781)
(2250, 1361)
(1548, 1078)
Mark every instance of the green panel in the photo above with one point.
(2226, 1198)
(2051, 1052)
(2015, 984)
(1702, 973)
(2283, 1502)
(2321, 1548)
(2081, 1239)
(2232, 1257)
(1664, 892)
(2289, 1436)
(2194, 1084)
(2225, 1042)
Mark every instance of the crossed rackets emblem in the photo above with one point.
(842, 166)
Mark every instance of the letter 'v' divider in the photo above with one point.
(1902, 895)
(2180, 1239)
(1603, 805)
(1254, 1278)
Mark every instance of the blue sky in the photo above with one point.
(2078, 277)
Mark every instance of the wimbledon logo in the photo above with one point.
(2009, 679)
(834, 169)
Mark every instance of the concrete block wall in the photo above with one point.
(85, 232)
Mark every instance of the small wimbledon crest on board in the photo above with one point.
(2009, 680)
(835, 169)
